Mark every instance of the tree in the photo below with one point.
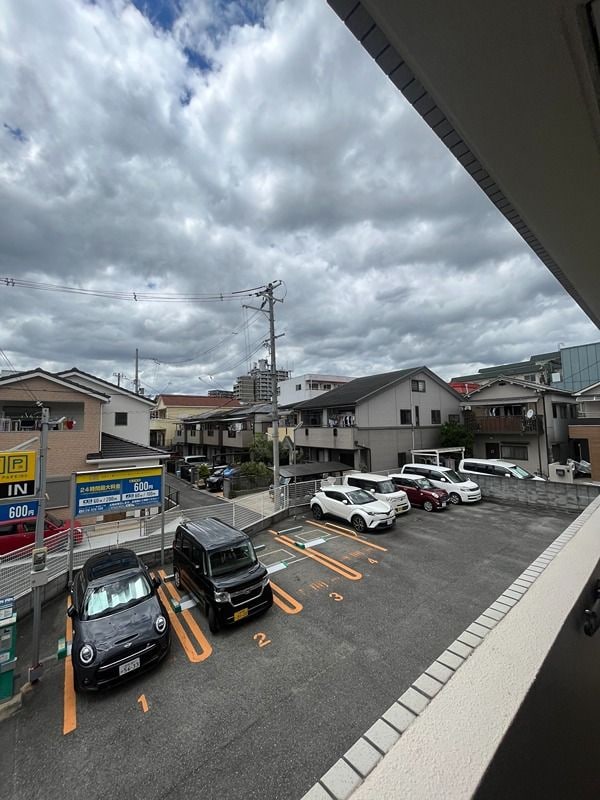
(452, 434)
(262, 449)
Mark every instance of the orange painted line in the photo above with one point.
(188, 647)
(326, 561)
(70, 702)
(285, 601)
(347, 534)
(205, 645)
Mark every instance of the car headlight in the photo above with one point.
(160, 623)
(222, 597)
(86, 654)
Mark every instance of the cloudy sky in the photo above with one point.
(189, 149)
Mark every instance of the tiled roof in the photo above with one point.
(114, 447)
(518, 368)
(358, 389)
(197, 401)
(55, 377)
(74, 372)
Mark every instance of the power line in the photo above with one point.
(132, 295)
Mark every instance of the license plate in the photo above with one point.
(443, 504)
(129, 666)
(238, 615)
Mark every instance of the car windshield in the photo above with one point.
(424, 483)
(54, 521)
(453, 477)
(116, 595)
(522, 473)
(360, 497)
(231, 559)
(386, 487)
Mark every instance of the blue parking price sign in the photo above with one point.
(17, 510)
(117, 490)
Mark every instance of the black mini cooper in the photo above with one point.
(120, 626)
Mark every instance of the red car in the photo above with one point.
(21, 532)
(421, 492)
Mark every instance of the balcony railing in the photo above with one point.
(516, 424)
(321, 436)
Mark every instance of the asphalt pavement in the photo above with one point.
(263, 709)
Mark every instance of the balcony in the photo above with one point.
(331, 438)
(516, 424)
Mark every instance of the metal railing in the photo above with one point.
(142, 534)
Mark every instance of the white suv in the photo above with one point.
(355, 506)
(460, 489)
(381, 487)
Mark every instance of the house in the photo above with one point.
(76, 441)
(522, 421)
(539, 368)
(226, 434)
(125, 415)
(373, 422)
(166, 428)
(307, 386)
(584, 432)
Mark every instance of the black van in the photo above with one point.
(218, 565)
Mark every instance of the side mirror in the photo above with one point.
(71, 611)
(345, 502)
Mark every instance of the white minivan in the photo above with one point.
(460, 490)
(381, 487)
(497, 468)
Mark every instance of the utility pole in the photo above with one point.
(118, 376)
(39, 571)
(136, 382)
(269, 300)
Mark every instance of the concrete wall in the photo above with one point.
(519, 718)
(564, 496)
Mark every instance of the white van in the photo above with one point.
(195, 459)
(497, 468)
(381, 487)
(460, 490)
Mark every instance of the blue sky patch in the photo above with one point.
(16, 133)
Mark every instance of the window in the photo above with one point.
(454, 418)
(326, 386)
(417, 418)
(559, 410)
(210, 430)
(417, 386)
(313, 385)
(514, 451)
(436, 417)
(298, 387)
(530, 378)
(405, 416)
(120, 418)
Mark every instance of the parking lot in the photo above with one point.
(263, 709)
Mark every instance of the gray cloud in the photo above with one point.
(223, 147)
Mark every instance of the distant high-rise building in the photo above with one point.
(256, 386)
(221, 393)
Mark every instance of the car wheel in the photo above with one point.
(177, 579)
(213, 620)
(317, 512)
(358, 524)
(428, 505)
(454, 498)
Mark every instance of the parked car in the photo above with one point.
(381, 487)
(21, 532)
(355, 506)
(214, 482)
(218, 564)
(196, 459)
(459, 488)
(120, 626)
(421, 492)
(496, 467)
